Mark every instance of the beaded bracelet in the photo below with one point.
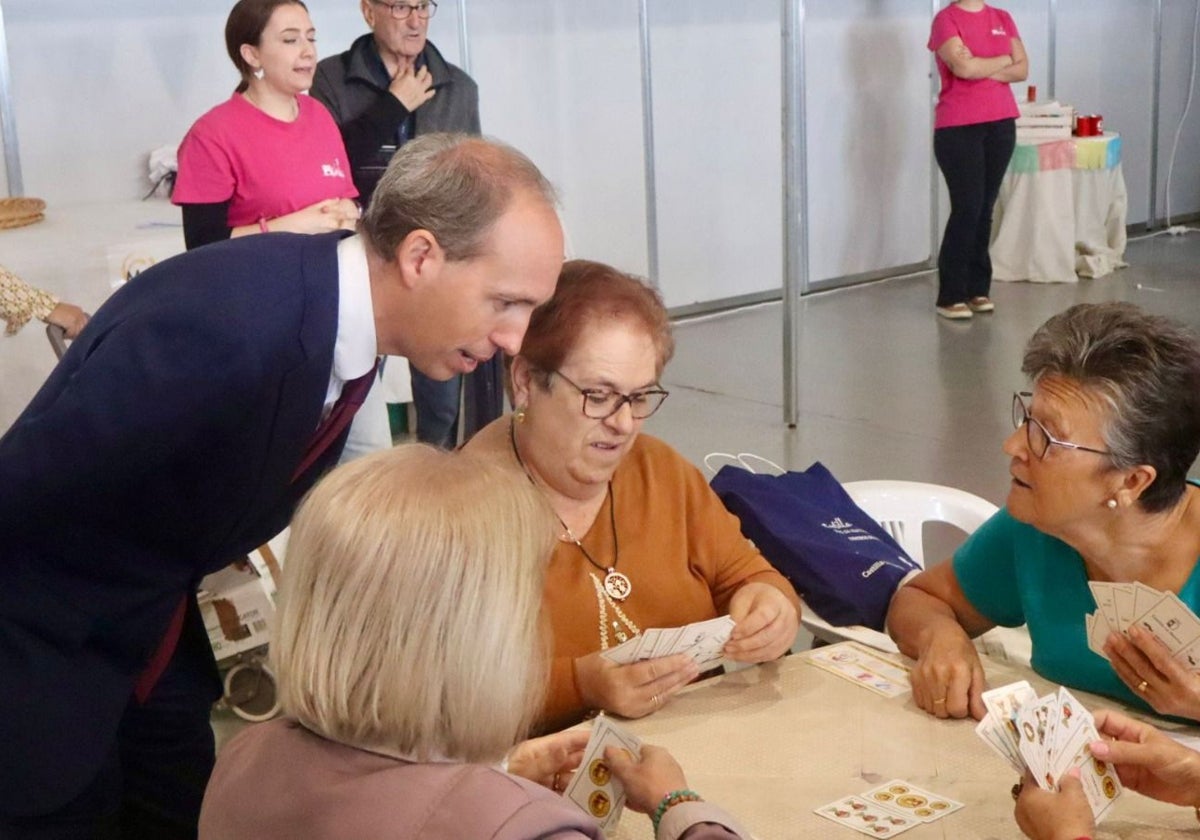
(671, 799)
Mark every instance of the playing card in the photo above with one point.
(705, 640)
(623, 653)
(1003, 703)
(649, 639)
(1171, 622)
(1035, 723)
(1098, 631)
(871, 669)
(1106, 604)
(1124, 599)
(667, 642)
(906, 798)
(857, 813)
(1190, 656)
(593, 787)
(1144, 597)
(989, 729)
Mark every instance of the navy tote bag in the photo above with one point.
(841, 561)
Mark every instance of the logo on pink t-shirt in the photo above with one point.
(333, 170)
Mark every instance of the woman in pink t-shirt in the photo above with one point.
(979, 53)
(269, 158)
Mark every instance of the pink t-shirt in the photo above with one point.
(987, 33)
(263, 166)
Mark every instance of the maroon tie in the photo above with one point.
(343, 411)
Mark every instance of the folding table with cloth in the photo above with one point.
(1061, 211)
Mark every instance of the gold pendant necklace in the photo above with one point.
(616, 585)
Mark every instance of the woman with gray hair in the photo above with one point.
(410, 653)
(1099, 493)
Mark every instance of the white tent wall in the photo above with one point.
(561, 81)
(1179, 17)
(96, 86)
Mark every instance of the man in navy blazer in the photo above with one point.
(172, 438)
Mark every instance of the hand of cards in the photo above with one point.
(1049, 736)
(593, 787)
(1162, 614)
(704, 640)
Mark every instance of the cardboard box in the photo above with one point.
(237, 605)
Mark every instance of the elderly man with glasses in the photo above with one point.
(393, 85)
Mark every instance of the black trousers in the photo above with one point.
(152, 782)
(973, 159)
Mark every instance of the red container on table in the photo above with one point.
(1089, 125)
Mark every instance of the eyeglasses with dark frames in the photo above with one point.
(1038, 438)
(400, 11)
(602, 403)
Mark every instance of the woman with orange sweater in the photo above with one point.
(643, 541)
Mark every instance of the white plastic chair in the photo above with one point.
(903, 508)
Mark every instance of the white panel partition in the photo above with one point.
(1179, 80)
(561, 82)
(1106, 66)
(868, 135)
(719, 156)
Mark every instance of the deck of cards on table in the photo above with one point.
(704, 640)
(889, 809)
(1162, 614)
(593, 787)
(1049, 735)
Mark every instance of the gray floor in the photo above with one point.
(888, 390)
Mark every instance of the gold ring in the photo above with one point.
(1142, 686)
(1016, 790)
(555, 784)
(939, 700)
(655, 700)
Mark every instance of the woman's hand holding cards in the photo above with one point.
(1148, 761)
(646, 781)
(948, 680)
(1145, 665)
(1055, 815)
(549, 760)
(634, 690)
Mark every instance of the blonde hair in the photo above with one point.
(410, 611)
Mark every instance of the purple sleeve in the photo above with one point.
(943, 30)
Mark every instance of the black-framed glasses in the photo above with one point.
(400, 11)
(1038, 438)
(602, 403)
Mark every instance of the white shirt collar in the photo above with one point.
(355, 348)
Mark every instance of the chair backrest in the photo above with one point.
(903, 507)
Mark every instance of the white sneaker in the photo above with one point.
(957, 312)
(981, 304)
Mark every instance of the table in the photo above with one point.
(79, 252)
(1061, 211)
(773, 742)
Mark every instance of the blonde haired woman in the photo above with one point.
(410, 604)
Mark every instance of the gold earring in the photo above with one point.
(1111, 504)
(519, 415)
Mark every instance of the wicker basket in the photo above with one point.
(18, 212)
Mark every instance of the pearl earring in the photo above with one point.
(1111, 504)
(258, 73)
